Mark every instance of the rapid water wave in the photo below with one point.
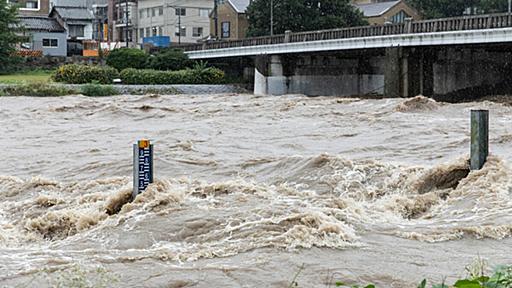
(322, 201)
(248, 183)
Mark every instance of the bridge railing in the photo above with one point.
(474, 22)
(462, 23)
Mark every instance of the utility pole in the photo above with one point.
(215, 18)
(271, 17)
(177, 10)
(179, 25)
(126, 22)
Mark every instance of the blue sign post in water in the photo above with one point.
(142, 166)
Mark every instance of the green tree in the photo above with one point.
(123, 58)
(451, 8)
(493, 6)
(169, 59)
(8, 37)
(301, 15)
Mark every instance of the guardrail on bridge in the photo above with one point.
(475, 22)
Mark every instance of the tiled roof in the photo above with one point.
(75, 13)
(78, 3)
(369, 10)
(41, 23)
(376, 9)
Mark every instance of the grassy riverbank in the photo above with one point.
(26, 77)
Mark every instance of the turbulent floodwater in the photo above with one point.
(249, 190)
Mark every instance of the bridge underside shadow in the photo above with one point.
(389, 72)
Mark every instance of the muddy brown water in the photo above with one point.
(249, 190)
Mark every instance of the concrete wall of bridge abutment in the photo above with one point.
(392, 72)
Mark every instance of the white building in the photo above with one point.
(185, 21)
(78, 21)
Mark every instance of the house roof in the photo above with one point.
(376, 9)
(79, 3)
(369, 10)
(41, 24)
(240, 5)
(73, 13)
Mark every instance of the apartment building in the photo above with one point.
(32, 7)
(184, 21)
(122, 21)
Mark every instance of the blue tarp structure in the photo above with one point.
(158, 41)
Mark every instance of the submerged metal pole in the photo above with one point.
(479, 138)
(142, 166)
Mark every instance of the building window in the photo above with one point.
(50, 43)
(148, 32)
(76, 30)
(160, 31)
(399, 17)
(225, 29)
(141, 14)
(147, 12)
(197, 32)
(204, 12)
(32, 5)
(161, 10)
(181, 12)
(28, 5)
(183, 31)
(153, 12)
(141, 32)
(155, 31)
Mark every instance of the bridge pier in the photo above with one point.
(269, 78)
(427, 72)
(408, 72)
(392, 72)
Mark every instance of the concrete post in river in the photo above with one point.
(479, 138)
(142, 166)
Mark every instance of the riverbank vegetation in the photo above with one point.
(477, 277)
(83, 74)
(135, 67)
(24, 77)
(41, 89)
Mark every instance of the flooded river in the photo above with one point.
(249, 192)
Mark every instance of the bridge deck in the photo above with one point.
(457, 30)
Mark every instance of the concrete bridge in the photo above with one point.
(428, 57)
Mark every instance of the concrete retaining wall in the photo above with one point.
(166, 89)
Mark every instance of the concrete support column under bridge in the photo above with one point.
(269, 78)
(408, 72)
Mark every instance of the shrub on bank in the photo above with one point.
(187, 76)
(82, 74)
(169, 59)
(37, 89)
(95, 89)
(124, 58)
